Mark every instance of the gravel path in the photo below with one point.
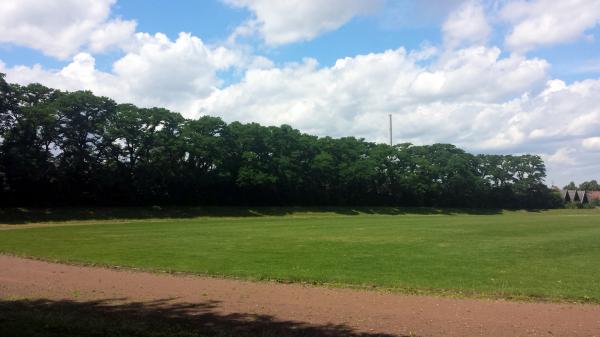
(356, 311)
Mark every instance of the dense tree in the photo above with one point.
(28, 134)
(84, 147)
(591, 185)
(76, 148)
(570, 186)
(8, 105)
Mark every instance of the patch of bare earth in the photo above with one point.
(330, 312)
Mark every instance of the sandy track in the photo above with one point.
(359, 311)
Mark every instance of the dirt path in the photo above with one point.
(356, 311)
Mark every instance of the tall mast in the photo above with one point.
(391, 143)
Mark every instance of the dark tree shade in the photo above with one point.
(75, 148)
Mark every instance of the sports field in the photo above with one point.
(553, 255)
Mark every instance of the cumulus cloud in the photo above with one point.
(281, 22)
(557, 123)
(562, 156)
(466, 25)
(479, 73)
(351, 97)
(156, 71)
(116, 33)
(60, 28)
(548, 22)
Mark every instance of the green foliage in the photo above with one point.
(513, 254)
(591, 185)
(74, 148)
(573, 205)
(588, 205)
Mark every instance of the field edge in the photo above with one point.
(440, 293)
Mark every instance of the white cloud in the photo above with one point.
(442, 102)
(60, 28)
(466, 25)
(562, 156)
(281, 22)
(560, 114)
(548, 22)
(592, 143)
(479, 73)
(156, 71)
(116, 33)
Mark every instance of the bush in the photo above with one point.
(574, 205)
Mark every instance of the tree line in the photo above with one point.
(75, 148)
(591, 185)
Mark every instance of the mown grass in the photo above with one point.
(546, 255)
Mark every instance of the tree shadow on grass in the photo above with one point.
(17, 215)
(160, 318)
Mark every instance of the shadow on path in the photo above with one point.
(32, 215)
(161, 318)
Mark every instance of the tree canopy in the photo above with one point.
(591, 185)
(75, 148)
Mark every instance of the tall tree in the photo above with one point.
(29, 136)
(591, 185)
(570, 186)
(84, 121)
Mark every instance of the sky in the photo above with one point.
(497, 76)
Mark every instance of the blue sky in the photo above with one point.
(496, 76)
(389, 28)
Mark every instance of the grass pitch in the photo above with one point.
(550, 255)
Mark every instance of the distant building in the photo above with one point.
(579, 196)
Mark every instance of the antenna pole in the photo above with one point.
(391, 143)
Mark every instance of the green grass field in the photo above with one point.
(552, 255)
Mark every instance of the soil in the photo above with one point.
(360, 312)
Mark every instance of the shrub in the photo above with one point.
(572, 205)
